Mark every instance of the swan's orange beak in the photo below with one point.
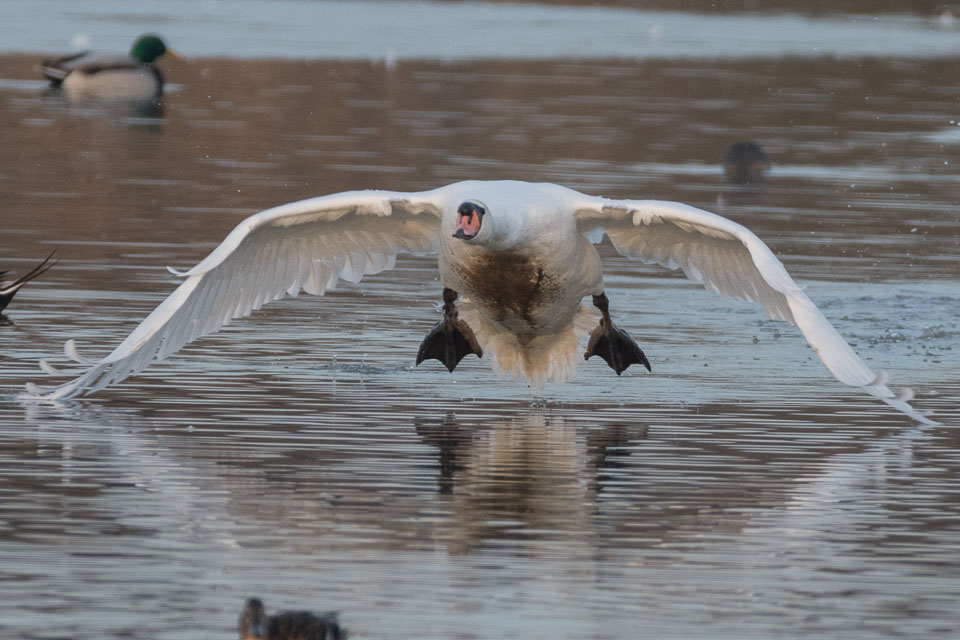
(468, 225)
(469, 219)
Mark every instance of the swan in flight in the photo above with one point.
(520, 257)
(112, 76)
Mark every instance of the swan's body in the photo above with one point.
(523, 290)
(523, 273)
(111, 76)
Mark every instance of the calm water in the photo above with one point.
(735, 492)
(379, 29)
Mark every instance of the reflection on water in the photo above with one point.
(736, 492)
(531, 479)
(479, 514)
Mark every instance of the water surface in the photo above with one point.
(402, 29)
(736, 492)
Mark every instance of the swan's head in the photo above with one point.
(470, 220)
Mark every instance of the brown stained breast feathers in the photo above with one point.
(512, 285)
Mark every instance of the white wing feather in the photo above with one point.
(730, 260)
(307, 245)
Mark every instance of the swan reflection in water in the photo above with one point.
(532, 477)
(515, 485)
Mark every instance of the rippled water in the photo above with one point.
(735, 492)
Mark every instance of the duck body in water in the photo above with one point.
(746, 163)
(520, 254)
(111, 76)
(10, 286)
(255, 624)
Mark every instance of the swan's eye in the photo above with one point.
(471, 208)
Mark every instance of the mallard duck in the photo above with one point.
(106, 75)
(523, 255)
(255, 624)
(9, 287)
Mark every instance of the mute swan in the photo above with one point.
(520, 254)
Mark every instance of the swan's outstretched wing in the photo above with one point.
(306, 245)
(730, 260)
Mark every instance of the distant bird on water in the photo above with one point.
(746, 163)
(113, 76)
(9, 288)
(255, 624)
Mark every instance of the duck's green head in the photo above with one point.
(148, 48)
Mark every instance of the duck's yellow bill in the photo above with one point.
(175, 55)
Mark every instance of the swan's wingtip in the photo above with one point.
(49, 369)
(924, 417)
(36, 393)
(881, 380)
(70, 349)
(53, 394)
(32, 393)
(177, 272)
(906, 395)
(903, 406)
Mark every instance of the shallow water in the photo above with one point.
(392, 29)
(736, 492)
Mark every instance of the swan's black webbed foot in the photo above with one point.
(611, 343)
(450, 339)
